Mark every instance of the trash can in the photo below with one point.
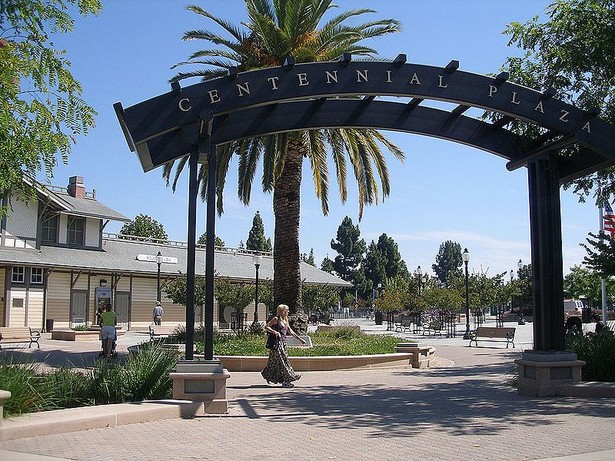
(48, 325)
(378, 318)
(586, 314)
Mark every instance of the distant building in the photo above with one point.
(57, 263)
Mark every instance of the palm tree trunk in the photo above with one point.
(286, 209)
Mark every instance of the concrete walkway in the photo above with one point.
(465, 411)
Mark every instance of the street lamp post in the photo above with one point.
(465, 256)
(159, 262)
(521, 319)
(419, 274)
(257, 264)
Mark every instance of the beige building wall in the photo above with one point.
(58, 299)
(17, 306)
(34, 308)
(92, 232)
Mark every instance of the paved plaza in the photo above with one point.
(465, 409)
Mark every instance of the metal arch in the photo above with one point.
(181, 107)
(302, 115)
(194, 119)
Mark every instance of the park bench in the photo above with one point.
(16, 335)
(161, 331)
(493, 334)
(434, 327)
(403, 323)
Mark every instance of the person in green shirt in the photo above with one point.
(108, 320)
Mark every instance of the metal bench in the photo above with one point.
(404, 323)
(493, 334)
(434, 327)
(16, 335)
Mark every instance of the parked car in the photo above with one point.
(575, 314)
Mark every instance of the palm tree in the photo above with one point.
(278, 29)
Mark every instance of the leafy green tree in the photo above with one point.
(350, 249)
(320, 297)
(41, 110)
(256, 238)
(394, 266)
(176, 291)
(572, 52)
(274, 30)
(144, 226)
(374, 269)
(485, 291)
(600, 254)
(445, 299)
(218, 242)
(236, 295)
(395, 295)
(327, 265)
(581, 282)
(309, 258)
(524, 296)
(448, 262)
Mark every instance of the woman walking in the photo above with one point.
(278, 369)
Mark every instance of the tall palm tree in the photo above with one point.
(278, 29)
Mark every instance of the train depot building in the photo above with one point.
(57, 265)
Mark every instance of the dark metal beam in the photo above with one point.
(193, 193)
(460, 109)
(210, 229)
(414, 102)
(560, 144)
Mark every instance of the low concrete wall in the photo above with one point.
(79, 335)
(320, 363)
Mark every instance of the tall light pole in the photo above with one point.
(521, 319)
(419, 274)
(159, 262)
(257, 264)
(465, 256)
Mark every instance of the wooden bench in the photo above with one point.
(15, 335)
(493, 334)
(161, 331)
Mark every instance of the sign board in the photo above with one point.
(152, 259)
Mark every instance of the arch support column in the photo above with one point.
(546, 251)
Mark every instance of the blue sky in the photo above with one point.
(443, 191)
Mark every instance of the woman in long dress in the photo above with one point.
(279, 369)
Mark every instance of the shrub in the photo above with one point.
(18, 379)
(599, 354)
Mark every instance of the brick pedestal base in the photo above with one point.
(203, 381)
(542, 374)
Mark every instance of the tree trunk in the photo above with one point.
(286, 209)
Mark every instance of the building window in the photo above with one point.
(76, 232)
(50, 228)
(18, 275)
(36, 276)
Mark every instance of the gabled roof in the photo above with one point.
(88, 207)
(120, 256)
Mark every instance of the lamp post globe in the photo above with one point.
(465, 256)
(257, 259)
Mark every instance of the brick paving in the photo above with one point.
(465, 411)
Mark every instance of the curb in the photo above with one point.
(82, 418)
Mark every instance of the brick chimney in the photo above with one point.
(76, 188)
